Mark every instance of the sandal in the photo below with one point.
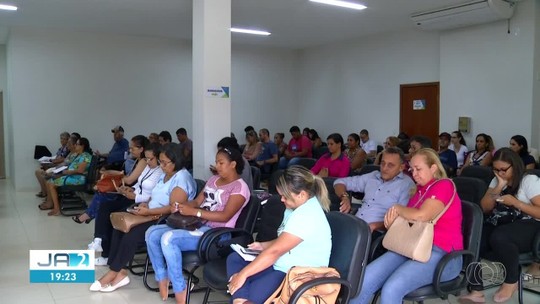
(53, 212)
(41, 195)
(76, 219)
(44, 206)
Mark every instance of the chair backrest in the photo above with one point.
(270, 217)
(471, 228)
(93, 173)
(200, 185)
(351, 238)
(482, 172)
(368, 169)
(256, 174)
(320, 151)
(306, 162)
(471, 189)
(248, 216)
(273, 181)
(533, 171)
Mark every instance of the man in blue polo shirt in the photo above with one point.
(117, 155)
(269, 153)
(382, 189)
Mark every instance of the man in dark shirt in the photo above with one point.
(116, 157)
(448, 157)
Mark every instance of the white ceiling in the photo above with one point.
(293, 23)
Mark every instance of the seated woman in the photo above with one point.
(519, 145)
(397, 275)
(334, 163)
(136, 148)
(282, 146)
(458, 145)
(60, 158)
(315, 139)
(253, 147)
(510, 236)
(390, 141)
(74, 175)
(481, 156)
(139, 193)
(224, 196)
(175, 186)
(353, 146)
(304, 239)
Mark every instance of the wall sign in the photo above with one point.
(419, 104)
(217, 92)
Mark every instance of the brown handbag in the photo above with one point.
(186, 222)
(124, 221)
(413, 239)
(320, 294)
(107, 181)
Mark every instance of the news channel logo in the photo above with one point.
(62, 266)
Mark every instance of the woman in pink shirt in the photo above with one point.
(397, 275)
(334, 163)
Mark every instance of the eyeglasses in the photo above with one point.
(501, 170)
(164, 163)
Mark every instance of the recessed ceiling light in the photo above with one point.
(248, 31)
(8, 7)
(355, 6)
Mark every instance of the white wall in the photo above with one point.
(89, 83)
(536, 79)
(355, 85)
(487, 74)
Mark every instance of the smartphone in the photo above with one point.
(132, 208)
(499, 199)
(251, 251)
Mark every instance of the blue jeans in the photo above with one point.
(397, 276)
(99, 198)
(165, 246)
(258, 287)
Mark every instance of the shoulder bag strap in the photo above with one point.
(434, 221)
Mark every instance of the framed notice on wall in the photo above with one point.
(419, 104)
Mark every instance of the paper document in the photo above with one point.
(246, 253)
(60, 169)
(46, 159)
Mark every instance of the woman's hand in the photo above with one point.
(236, 281)
(323, 172)
(390, 217)
(501, 182)
(187, 210)
(256, 246)
(142, 209)
(508, 200)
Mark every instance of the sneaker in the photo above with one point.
(95, 245)
(101, 261)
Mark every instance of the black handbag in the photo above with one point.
(179, 221)
(503, 214)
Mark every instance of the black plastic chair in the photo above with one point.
(482, 172)
(320, 151)
(334, 199)
(72, 203)
(273, 181)
(256, 174)
(472, 231)
(367, 169)
(213, 244)
(471, 189)
(351, 237)
(306, 162)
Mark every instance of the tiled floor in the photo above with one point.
(23, 227)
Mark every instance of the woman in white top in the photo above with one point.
(459, 146)
(504, 236)
(139, 193)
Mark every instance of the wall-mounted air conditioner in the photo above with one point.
(460, 15)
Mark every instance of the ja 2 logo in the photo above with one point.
(68, 259)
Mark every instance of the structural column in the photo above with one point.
(211, 80)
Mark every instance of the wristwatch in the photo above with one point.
(345, 194)
(199, 213)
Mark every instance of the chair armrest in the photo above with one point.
(442, 265)
(344, 293)
(215, 243)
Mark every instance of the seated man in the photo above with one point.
(367, 144)
(164, 138)
(186, 147)
(299, 146)
(448, 157)
(269, 153)
(118, 154)
(381, 190)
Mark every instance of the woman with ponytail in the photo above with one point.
(304, 239)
